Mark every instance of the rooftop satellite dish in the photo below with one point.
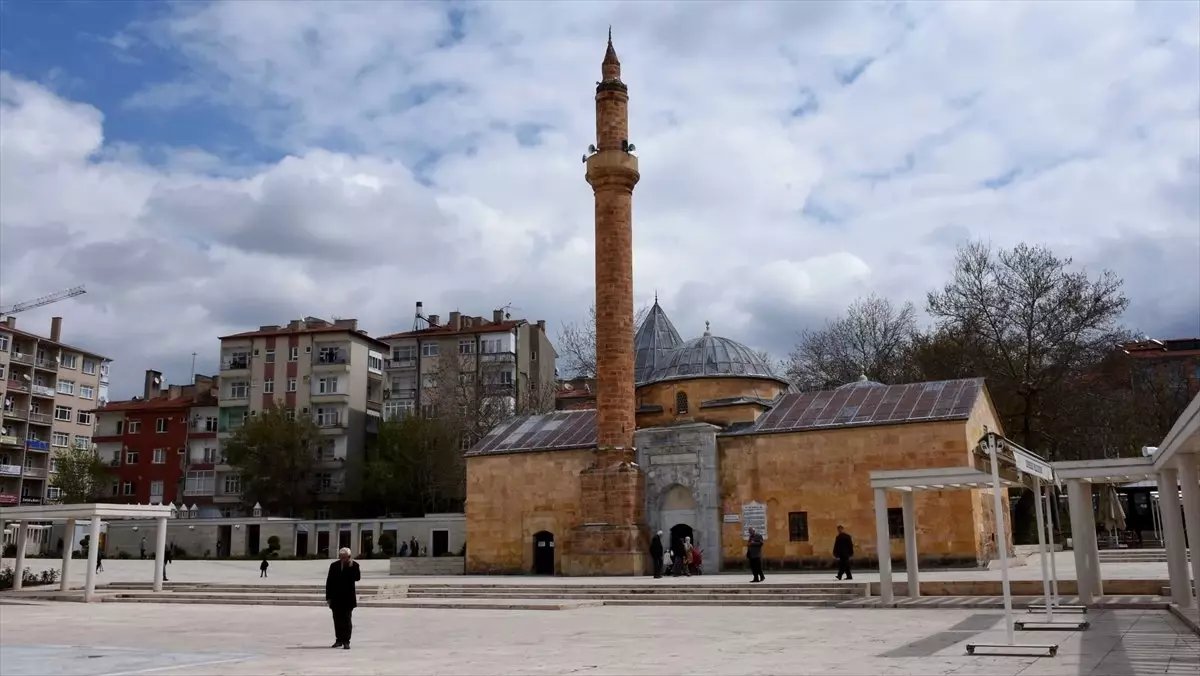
(26, 376)
(157, 380)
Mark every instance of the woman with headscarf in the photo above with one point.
(688, 556)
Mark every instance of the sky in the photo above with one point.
(206, 168)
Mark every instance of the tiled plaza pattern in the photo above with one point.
(71, 639)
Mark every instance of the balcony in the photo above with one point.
(10, 470)
(331, 360)
(41, 418)
(232, 397)
(332, 488)
(17, 386)
(406, 363)
(498, 357)
(46, 364)
(17, 413)
(238, 363)
(318, 397)
(42, 391)
(37, 445)
(35, 472)
(9, 499)
(113, 462)
(10, 440)
(330, 422)
(18, 358)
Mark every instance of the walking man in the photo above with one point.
(341, 596)
(754, 555)
(142, 548)
(843, 549)
(656, 554)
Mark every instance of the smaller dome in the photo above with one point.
(862, 381)
(712, 356)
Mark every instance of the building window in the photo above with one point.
(429, 349)
(200, 483)
(269, 357)
(69, 361)
(491, 345)
(391, 410)
(327, 386)
(269, 386)
(466, 347)
(160, 425)
(64, 413)
(160, 456)
(60, 439)
(429, 410)
(131, 457)
(895, 517)
(293, 354)
(464, 444)
(323, 513)
(467, 378)
(120, 427)
(798, 526)
(87, 392)
(291, 385)
(135, 426)
(83, 442)
(327, 417)
(89, 366)
(209, 454)
(210, 424)
(404, 353)
(681, 404)
(66, 387)
(1, 371)
(53, 465)
(289, 414)
(374, 362)
(127, 489)
(233, 484)
(428, 381)
(84, 417)
(4, 343)
(54, 492)
(239, 390)
(505, 377)
(156, 490)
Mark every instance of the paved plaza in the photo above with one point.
(72, 639)
(375, 572)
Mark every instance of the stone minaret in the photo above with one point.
(609, 538)
(613, 171)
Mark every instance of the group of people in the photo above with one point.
(683, 557)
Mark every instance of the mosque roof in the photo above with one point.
(653, 342)
(869, 404)
(712, 356)
(840, 408)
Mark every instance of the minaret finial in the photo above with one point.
(610, 33)
(656, 296)
(707, 327)
(611, 67)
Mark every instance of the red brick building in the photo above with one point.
(145, 439)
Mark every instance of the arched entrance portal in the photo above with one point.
(677, 510)
(680, 531)
(543, 553)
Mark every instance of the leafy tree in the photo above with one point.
(275, 456)
(873, 338)
(80, 475)
(415, 467)
(577, 343)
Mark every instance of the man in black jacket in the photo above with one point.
(843, 549)
(656, 554)
(341, 596)
(754, 545)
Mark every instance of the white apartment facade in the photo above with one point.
(48, 390)
(329, 371)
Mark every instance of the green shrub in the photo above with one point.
(387, 542)
(273, 543)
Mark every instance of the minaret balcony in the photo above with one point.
(612, 164)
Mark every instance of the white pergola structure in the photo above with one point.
(94, 513)
(1175, 466)
(1007, 465)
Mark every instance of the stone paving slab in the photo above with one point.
(186, 640)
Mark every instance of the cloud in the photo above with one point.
(793, 156)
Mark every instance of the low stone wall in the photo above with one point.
(1021, 588)
(427, 565)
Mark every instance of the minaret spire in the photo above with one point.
(610, 69)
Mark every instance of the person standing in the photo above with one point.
(414, 548)
(99, 561)
(656, 553)
(678, 554)
(142, 547)
(340, 595)
(262, 568)
(754, 545)
(843, 550)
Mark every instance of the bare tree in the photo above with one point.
(873, 338)
(576, 343)
(1033, 322)
(775, 365)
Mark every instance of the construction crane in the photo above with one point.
(44, 300)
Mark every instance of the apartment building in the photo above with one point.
(147, 440)
(329, 371)
(507, 364)
(48, 389)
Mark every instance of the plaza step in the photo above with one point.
(319, 602)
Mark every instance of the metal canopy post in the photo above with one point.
(992, 445)
(1044, 535)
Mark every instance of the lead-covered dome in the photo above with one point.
(712, 357)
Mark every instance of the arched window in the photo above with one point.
(681, 404)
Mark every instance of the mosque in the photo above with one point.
(701, 438)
